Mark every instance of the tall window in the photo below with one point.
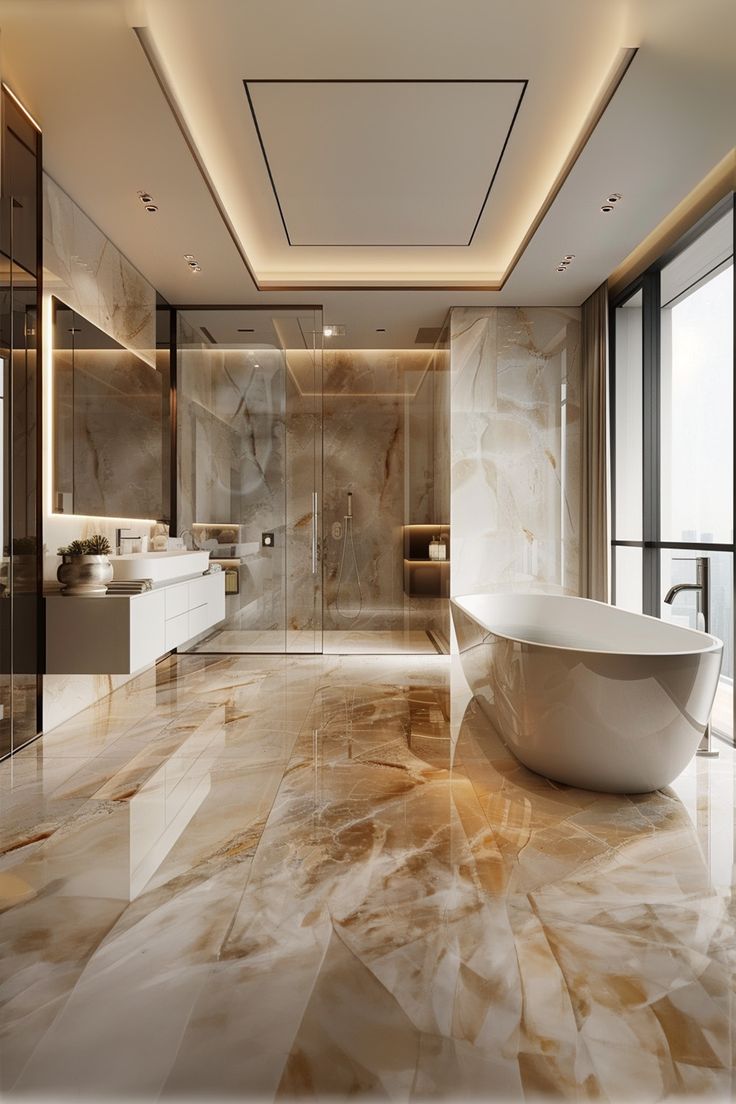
(673, 437)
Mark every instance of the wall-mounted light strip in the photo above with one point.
(104, 519)
(23, 108)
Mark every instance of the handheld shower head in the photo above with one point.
(350, 504)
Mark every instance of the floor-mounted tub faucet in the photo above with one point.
(702, 588)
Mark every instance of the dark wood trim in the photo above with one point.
(40, 475)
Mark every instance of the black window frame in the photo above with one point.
(651, 544)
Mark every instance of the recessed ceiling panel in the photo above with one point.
(383, 163)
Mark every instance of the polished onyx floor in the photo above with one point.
(260, 877)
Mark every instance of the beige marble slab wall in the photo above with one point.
(90, 274)
(231, 457)
(84, 269)
(515, 448)
(381, 442)
(364, 452)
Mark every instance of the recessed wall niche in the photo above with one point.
(109, 420)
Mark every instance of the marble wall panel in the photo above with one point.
(231, 457)
(515, 447)
(85, 270)
(254, 443)
(109, 434)
(364, 453)
(383, 441)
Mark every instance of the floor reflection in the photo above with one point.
(274, 877)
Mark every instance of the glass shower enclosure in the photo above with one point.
(249, 469)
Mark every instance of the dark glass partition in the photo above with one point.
(20, 573)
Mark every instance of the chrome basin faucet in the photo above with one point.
(702, 588)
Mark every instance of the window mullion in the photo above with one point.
(651, 472)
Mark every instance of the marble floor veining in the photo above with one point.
(269, 877)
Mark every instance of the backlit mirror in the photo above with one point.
(110, 419)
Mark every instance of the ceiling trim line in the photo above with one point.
(616, 75)
(244, 306)
(523, 81)
(152, 58)
(267, 162)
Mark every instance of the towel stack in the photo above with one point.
(129, 586)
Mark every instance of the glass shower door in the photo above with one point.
(249, 470)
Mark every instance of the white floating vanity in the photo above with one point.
(120, 634)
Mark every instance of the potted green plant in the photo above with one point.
(85, 567)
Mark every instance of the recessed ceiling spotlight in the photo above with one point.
(614, 198)
(192, 262)
(147, 201)
(382, 330)
(569, 257)
(565, 263)
(333, 330)
(188, 256)
(561, 268)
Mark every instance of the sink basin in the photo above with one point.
(159, 566)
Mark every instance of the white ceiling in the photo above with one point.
(376, 162)
(109, 131)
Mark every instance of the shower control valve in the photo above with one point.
(337, 530)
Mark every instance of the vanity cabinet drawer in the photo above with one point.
(199, 620)
(177, 630)
(177, 600)
(199, 591)
(121, 634)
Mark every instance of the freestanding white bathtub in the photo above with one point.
(585, 693)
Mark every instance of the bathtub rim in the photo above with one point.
(715, 645)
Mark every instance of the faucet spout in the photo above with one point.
(675, 590)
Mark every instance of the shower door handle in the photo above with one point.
(314, 532)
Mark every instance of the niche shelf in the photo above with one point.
(423, 577)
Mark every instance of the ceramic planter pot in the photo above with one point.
(84, 575)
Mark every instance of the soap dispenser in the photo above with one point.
(435, 548)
